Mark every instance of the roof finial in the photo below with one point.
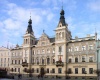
(62, 4)
(30, 15)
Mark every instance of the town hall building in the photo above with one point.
(59, 56)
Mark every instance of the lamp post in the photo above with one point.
(85, 74)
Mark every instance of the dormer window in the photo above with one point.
(90, 59)
(48, 51)
(90, 47)
(43, 51)
(76, 48)
(43, 43)
(83, 48)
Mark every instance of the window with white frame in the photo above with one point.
(83, 58)
(83, 48)
(90, 47)
(76, 48)
(69, 50)
(48, 50)
(90, 59)
(38, 51)
(60, 48)
(43, 51)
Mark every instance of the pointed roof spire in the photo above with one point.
(62, 18)
(29, 28)
(62, 4)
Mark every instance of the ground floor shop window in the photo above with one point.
(59, 70)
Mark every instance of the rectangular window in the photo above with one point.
(83, 58)
(15, 61)
(47, 70)
(69, 50)
(76, 59)
(19, 61)
(69, 71)
(43, 51)
(90, 70)
(18, 69)
(76, 48)
(90, 47)
(76, 70)
(90, 59)
(83, 71)
(12, 61)
(5, 60)
(60, 48)
(1, 59)
(53, 70)
(15, 70)
(60, 70)
(70, 60)
(37, 70)
(83, 48)
(53, 50)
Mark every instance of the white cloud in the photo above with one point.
(16, 22)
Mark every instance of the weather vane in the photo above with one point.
(30, 15)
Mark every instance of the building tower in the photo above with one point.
(29, 41)
(63, 35)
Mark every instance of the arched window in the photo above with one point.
(57, 35)
(26, 41)
(48, 60)
(32, 41)
(53, 61)
(19, 61)
(62, 34)
(60, 48)
(48, 51)
(76, 59)
(37, 61)
(42, 61)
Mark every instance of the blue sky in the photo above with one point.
(82, 16)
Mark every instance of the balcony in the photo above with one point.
(24, 64)
(59, 63)
(42, 64)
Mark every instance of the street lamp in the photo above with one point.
(85, 74)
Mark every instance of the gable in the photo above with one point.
(43, 40)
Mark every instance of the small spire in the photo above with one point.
(30, 15)
(62, 4)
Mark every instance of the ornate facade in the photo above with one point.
(57, 56)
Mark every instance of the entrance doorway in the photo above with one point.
(42, 72)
